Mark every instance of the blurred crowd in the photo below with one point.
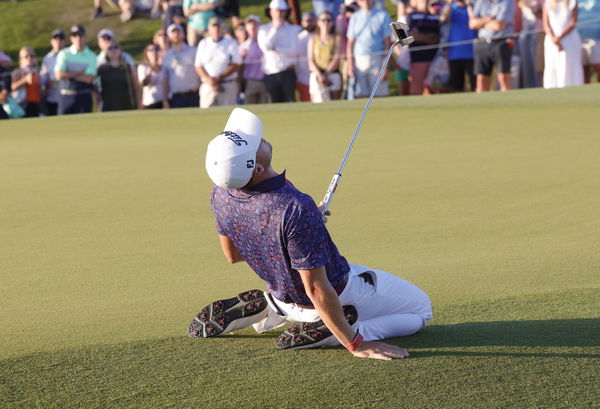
(207, 55)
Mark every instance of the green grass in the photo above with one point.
(488, 202)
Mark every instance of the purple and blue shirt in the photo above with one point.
(278, 230)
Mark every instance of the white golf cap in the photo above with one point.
(278, 5)
(231, 156)
(174, 26)
(105, 32)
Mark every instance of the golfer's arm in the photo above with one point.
(230, 250)
(327, 303)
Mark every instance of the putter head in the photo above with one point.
(400, 33)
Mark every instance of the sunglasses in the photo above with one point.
(325, 19)
(113, 47)
(154, 50)
(28, 56)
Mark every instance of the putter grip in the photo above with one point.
(330, 192)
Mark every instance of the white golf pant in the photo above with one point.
(390, 307)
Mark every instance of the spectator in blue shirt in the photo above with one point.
(460, 57)
(368, 40)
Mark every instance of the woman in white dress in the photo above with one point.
(562, 46)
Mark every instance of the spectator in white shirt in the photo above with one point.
(151, 78)
(181, 81)
(50, 89)
(278, 41)
(217, 63)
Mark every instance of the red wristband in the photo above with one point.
(358, 340)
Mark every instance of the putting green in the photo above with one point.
(488, 202)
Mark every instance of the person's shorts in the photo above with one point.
(402, 75)
(366, 70)
(489, 54)
(228, 8)
(319, 93)
(140, 4)
(591, 51)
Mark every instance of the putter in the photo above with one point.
(401, 38)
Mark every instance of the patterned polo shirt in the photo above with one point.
(278, 230)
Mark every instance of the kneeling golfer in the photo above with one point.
(264, 220)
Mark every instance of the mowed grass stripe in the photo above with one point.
(492, 363)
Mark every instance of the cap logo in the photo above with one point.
(235, 138)
(250, 164)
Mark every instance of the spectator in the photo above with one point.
(425, 28)
(309, 25)
(368, 39)
(48, 77)
(173, 13)
(181, 82)
(26, 85)
(118, 90)
(105, 39)
(217, 64)
(5, 78)
(589, 31)
(341, 26)
(529, 40)
(161, 40)
(9, 108)
(229, 8)
(198, 13)
(240, 33)
(562, 46)
(460, 57)
(294, 11)
(324, 61)
(76, 69)
(151, 78)
(278, 41)
(254, 88)
(98, 11)
(332, 6)
(495, 21)
(5, 61)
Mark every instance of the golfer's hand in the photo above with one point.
(327, 213)
(379, 350)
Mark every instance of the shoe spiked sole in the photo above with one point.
(311, 334)
(223, 316)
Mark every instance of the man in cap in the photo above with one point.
(264, 220)
(217, 64)
(181, 81)
(278, 41)
(105, 38)
(51, 92)
(253, 74)
(75, 69)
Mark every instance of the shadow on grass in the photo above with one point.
(539, 333)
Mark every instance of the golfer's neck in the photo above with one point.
(267, 174)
